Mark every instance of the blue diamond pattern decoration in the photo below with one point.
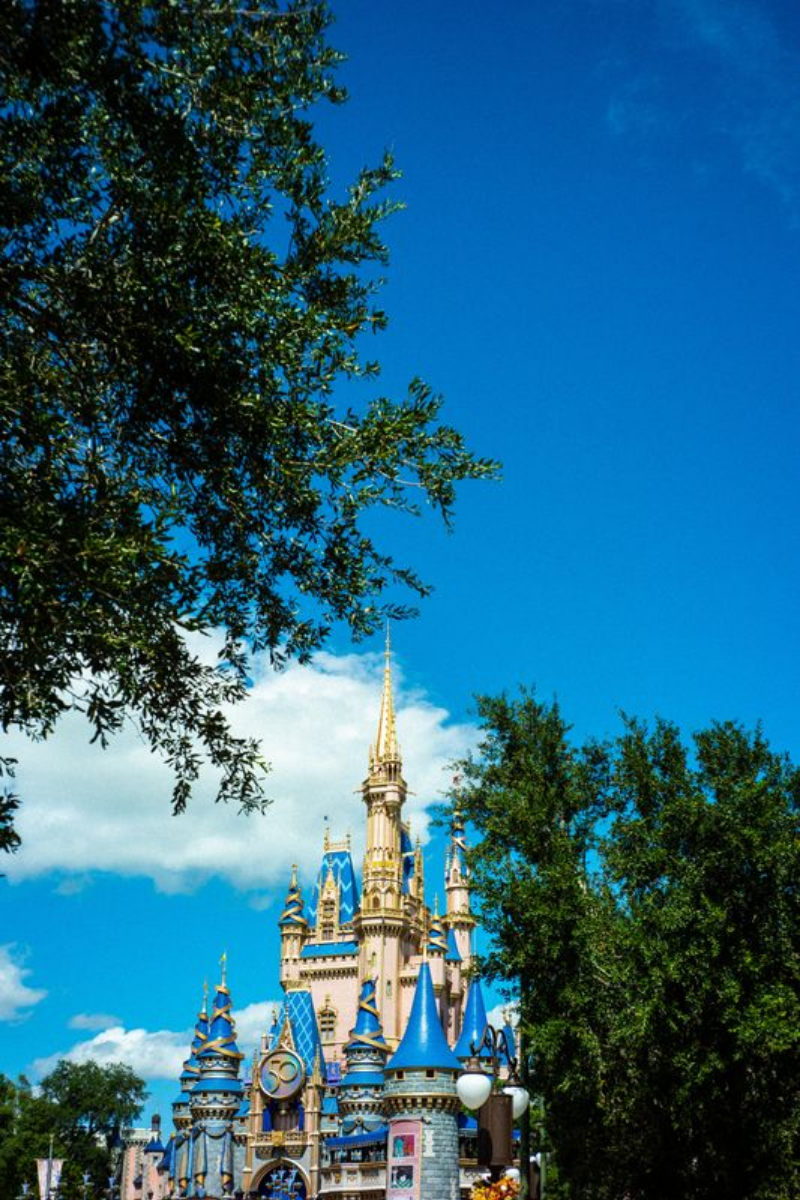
(341, 864)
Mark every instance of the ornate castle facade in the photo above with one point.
(351, 1094)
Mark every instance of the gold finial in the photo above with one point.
(436, 907)
(204, 1009)
(294, 875)
(386, 748)
(223, 962)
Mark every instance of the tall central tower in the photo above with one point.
(381, 919)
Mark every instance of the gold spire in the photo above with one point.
(386, 748)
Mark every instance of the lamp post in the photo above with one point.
(497, 1110)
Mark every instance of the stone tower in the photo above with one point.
(383, 921)
(421, 1103)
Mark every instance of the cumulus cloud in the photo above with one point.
(86, 809)
(153, 1054)
(92, 1021)
(502, 1015)
(16, 998)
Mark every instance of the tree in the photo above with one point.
(642, 897)
(181, 305)
(83, 1106)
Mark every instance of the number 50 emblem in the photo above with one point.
(282, 1074)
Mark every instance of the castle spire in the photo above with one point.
(386, 750)
(388, 857)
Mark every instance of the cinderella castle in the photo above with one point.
(351, 1093)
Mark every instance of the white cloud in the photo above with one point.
(158, 1054)
(251, 1022)
(92, 1021)
(502, 1015)
(85, 809)
(15, 995)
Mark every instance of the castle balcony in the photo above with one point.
(279, 1142)
(362, 1181)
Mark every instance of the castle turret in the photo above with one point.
(421, 1102)
(436, 951)
(181, 1164)
(361, 1090)
(294, 931)
(381, 922)
(456, 881)
(215, 1100)
(474, 1024)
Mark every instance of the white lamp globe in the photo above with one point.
(474, 1089)
(519, 1099)
(511, 1173)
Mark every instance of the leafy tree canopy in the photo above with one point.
(643, 900)
(180, 304)
(83, 1106)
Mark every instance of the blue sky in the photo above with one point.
(598, 266)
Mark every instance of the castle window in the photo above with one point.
(328, 920)
(327, 1024)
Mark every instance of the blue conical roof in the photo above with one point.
(452, 948)
(367, 1033)
(191, 1070)
(222, 1031)
(437, 939)
(169, 1153)
(474, 1024)
(424, 1045)
(293, 913)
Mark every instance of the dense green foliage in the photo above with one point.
(180, 304)
(84, 1107)
(643, 900)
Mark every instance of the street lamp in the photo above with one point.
(497, 1109)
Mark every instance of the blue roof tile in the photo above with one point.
(424, 1045)
(407, 851)
(340, 864)
(303, 1021)
(359, 1139)
(329, 949)
(222, 1031)
(367, 1033)
(452, 948)
(474, 1023)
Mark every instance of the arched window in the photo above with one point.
(327, 1024)
(328, 920)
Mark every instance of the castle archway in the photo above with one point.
(281, 1180)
